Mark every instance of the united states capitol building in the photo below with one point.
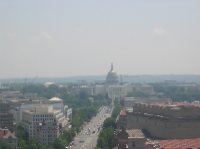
(112, 78)
(114, 87)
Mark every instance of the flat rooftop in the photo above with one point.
(135, 133)
(123, 112)
(6, 133)
(41, 108)
(172, 105)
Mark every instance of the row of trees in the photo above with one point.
(64, 139)
(71, 98)
(178, 93)
(106, 139)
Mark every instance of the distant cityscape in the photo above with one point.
(162, 114)
(101, 78)
(99, 74)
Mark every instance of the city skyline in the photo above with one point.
(80, 38)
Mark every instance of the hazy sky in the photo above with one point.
(58, 38)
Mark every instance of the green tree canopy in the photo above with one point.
(4, 145)
(106, 138)
(109, 122)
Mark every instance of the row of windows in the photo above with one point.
(44, 115)
(49, 136)
(42, 119)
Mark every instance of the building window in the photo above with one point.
(133, 144)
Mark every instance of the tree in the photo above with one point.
(4, 145)
(59, 144)
(106, 139)
(109, 122)
(116, 111)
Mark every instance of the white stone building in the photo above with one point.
(43, 119)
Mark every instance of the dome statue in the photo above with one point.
(112, 77)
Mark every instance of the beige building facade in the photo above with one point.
(45, 121)
(165, 121)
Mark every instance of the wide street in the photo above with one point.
(87, 138)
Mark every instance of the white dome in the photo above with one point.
(112, 77)
(55, 99)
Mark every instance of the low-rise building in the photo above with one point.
(68, 112)
(136, 139)
(9, 137)
(193, 143)
(166, 125)
(175, 120)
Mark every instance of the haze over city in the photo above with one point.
(66, 38)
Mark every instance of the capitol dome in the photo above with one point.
(112, 77)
